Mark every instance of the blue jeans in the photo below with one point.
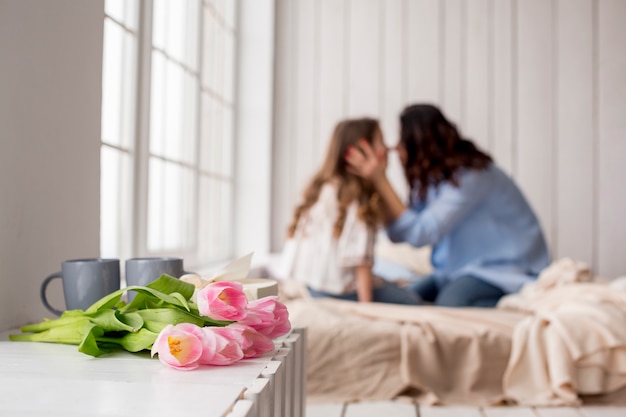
(387, 293)
(465, 291)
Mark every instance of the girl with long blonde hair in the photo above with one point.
(331, 236)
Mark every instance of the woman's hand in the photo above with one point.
(368, 165)
(365, 164)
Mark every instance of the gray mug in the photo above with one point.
(85, 281)
(142, 271)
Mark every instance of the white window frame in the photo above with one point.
(138, 233)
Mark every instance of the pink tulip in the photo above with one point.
(178, 347)
(253, 343)
(268, 316)
(221, 348)
(223, 300)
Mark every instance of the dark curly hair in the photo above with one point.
(435, 149)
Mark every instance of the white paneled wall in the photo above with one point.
(609, 186)
(539, 84)
(574, 134)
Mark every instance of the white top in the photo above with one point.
(318, 259)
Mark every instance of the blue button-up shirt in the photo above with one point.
(483, 227)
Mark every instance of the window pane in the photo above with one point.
(115, 203)
(111, 82)
(176, 33)
(226, 218)
(189, 184)
(119, 74)
(124, 11)
(175, 30)
(208, 40)
(118, 85)
(218, 61)
(210, 147)
(213, 58)
(227, 142)
(186, 145)
(228, 67)
(215, 219)
(159, 23)
(173, 111)
(216, 148)
(205, 123)
(220, 7)
(170, 206)
(157, 105)
(230, 11)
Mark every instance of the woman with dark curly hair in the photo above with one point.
(331, 236)
(486, 241)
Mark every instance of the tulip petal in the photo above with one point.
(178, 348)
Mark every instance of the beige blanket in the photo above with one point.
(545, 346)
(380, 351)
(572, 343)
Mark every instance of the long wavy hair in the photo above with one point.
(350, 187)
(435, 149)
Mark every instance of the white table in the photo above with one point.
(44, 379)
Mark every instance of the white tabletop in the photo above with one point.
(38, 379)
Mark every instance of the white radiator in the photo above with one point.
(280, 390)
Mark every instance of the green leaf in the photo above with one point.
(89, 344)
(110, 323)
(134, 320)
(168, 284)
(160, 288)
(49, 324)
(72, 313)
(106, 302)
(181, 298)
(155, 319)
(149, 297)
(114, 320)
(164, 289)
(132, 342)
(71, 333)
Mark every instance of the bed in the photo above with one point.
(561, 341)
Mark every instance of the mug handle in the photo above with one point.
(42, 293)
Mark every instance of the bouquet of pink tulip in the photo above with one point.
(185, 326)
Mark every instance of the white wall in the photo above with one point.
(50, 93)
(540, 84)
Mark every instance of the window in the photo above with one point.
(167, 129)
